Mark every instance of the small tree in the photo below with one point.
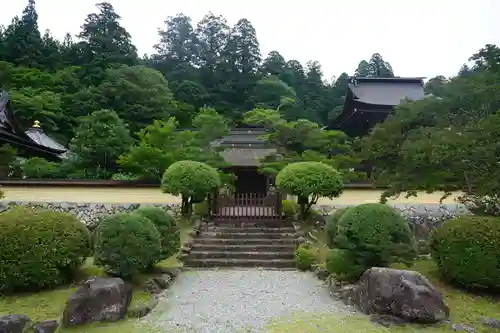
(191, 180)
(309, 181)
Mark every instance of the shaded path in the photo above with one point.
(233, 301)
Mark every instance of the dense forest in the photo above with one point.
(119, 113)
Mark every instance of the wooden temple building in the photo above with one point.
(30, 143)
(369, 100)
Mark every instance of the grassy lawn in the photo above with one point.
(465, 307)
(48, 305)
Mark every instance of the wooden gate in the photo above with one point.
(247, 206)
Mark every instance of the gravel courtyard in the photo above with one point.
(233, 301)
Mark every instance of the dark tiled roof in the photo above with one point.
(36, 134)
(246, 156)
(386, 91)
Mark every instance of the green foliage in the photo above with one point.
(166, 226)
(309, 181)
(467, 251)
(289, 208)
(126, 244)
(302, 140)
(40, 248)
(201, 209)
(191, 180)
(304, 258)
(7, 159)
(376, 234)
(331, 225)
(39, 168)
(342, 264)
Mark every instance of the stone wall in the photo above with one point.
(88, 213)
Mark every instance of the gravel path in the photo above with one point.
(231, 301)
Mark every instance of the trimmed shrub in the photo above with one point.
(289, 208)
(309, 181)
(166, 226)
(126, 244)
(342, 264)
(331, 225)
(201, 209)
(304, 258)
(376, 235)
(192, 181)
(40, 248)
(467, 251)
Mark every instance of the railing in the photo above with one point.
(247, 206)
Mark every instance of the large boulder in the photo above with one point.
(14, 323)
(401, 293)
(99, 299)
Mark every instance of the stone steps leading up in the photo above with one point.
(219, 262)
(248, 235)
(242, 255)
(236, 241)
(244, 244)
(244, 247)
(254, 230)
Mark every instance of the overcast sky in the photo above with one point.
(418, 37)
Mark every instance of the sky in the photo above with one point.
(421, 38)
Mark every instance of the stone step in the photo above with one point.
(256, 223)
(237, 241)
(244, 248)
(247, 235)
(252, 229)
(241, 255)
(220, 262)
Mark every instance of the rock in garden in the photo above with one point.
(402, 293)
(491, 323)
(322, 273)
(48, 326)
(462, 328)
(13, 323)
(99, 299)
(386, 320)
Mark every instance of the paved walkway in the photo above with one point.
(233, 301)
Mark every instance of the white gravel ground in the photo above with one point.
(231, 301)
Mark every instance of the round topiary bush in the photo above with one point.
(467, 251)
(309, 181)
(193, 181)
(376, 234)
(342, 264)
(166, 226)
(304, 258)
(126, 244)
(331, 225)
(40, 248)
(289, 208)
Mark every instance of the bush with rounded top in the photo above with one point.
(331, 225)
(304, 258)
(40, 248)
(166, 226)
(126, 244)
(309, 181)
(376, 234)
(342, 264)
(289, 208)
(467, 251)
(191, 180)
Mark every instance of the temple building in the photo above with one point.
(31, 143)
(369, 100)
(244, 148)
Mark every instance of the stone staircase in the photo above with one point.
(244, 245)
